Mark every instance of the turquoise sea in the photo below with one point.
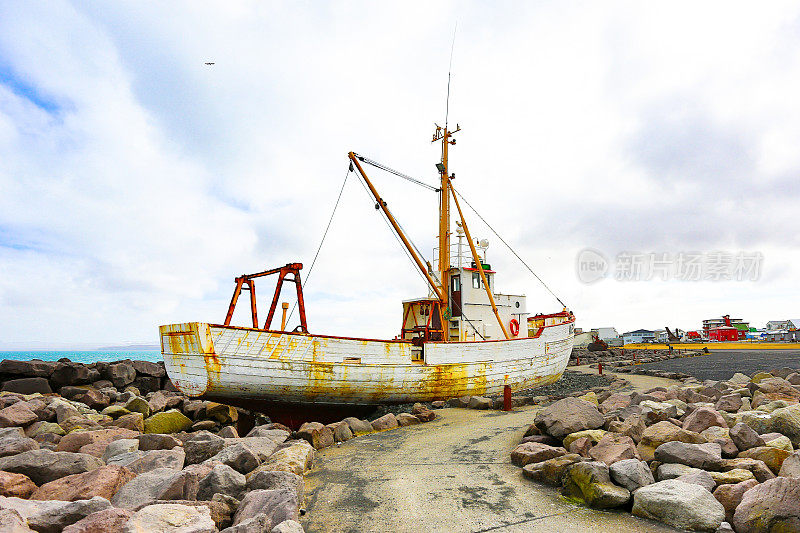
(84, 356)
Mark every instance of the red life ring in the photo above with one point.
(514, 326)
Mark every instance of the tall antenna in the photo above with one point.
(449, 70)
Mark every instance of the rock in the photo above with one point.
(158, 484)
(678, 504)
(12, 522)
(730, 403)
(203, 445)
(154, 459)
(17, 414)
(148, 368)
(16, 485)
(631, 474)
(744, 437)
(358, 427)
(703, 418)
(568, 416)
(341, 432)
(169, 518)
(120, 374)
(612, 448)
(791, 466)
(119, 446)
(614, 402)
(732, 476)
(271, 480)
(288, 526)
(43, 466)
(782, 442)
(137, 404)
(730, 495)
(38, 429)
(104, 481)
(759, 468)
(14, 444)
(653, 412)
(422, 413)
(204, 425)
(594, 435)
(77, 440)
(773, 457)
(280, 435)
(222, 479)
(706, 456)
(241, 457)
(438, 404)
(224, 414)
(590, 483)
(296, 458)
(171, 421)
(28, 386)
(770, 507)
(157, 441)
(69, 374)
(580, 446)
(662, 432)
(673, 471)
(699, 477)
(479, 402)
(633, 426)
(125, 459)
(318, 435)
(535, 452)
(787, 421)
(278, 505)
(106, 521)
(387, 421)
(552, 470)
(53, 516)
(407, 419)
(263, 447)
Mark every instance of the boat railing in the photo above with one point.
(460, 256)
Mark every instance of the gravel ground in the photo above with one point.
(570, 382)
(722, 364)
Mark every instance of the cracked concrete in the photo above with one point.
(450, 475)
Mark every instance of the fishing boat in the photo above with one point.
(460, 339)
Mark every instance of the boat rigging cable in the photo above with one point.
(395, 172)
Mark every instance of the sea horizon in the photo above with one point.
(81, 356)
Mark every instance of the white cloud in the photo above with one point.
(136, 182)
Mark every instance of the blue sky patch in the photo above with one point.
(24, 89)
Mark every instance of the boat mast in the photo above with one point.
(444, 135)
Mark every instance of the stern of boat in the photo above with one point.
(189, 356)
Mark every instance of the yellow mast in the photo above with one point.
(444, 135)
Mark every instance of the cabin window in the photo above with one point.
(489, 281)
(476, 280)
(456, 283)
(517, 304)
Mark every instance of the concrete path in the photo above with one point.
(639, 383)
(450, 475)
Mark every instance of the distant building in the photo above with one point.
(606, 334)
(774, 325)
(725, 328)
(789, 332)
(639, 335)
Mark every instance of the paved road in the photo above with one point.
(724, 363)
(450, 475)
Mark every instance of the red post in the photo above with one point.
(507, 398)
(577, 360)
(600, 368)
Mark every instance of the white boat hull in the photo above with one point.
(243, 363)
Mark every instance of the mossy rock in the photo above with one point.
(590, 397)
(594, 435)
(41, 428)
(761, 376)
(224, 414)
(115, 411)
(138, 405)
(171, 421)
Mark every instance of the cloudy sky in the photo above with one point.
(136, 182)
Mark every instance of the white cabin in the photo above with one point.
(470, 316)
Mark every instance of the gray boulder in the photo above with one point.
(173, 459)
(288, 526)
(169, 518)
(223, 480)
(277, 479)
(277, 505)
(43, 466)
(13, 444)
(569, 416)
(699, 477)
(241, 456)
(120, 446)
(203, 445)
(678, 504)
(12, 522)
(277, 435)
(706, 456)
(52, 516)
(28, 386)
(157, 441)
(791, 466)
(120, 374)
(744, 437)
(631, 474)
(358, 427)
(770, 507)
(158, 484)
(673, 471)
